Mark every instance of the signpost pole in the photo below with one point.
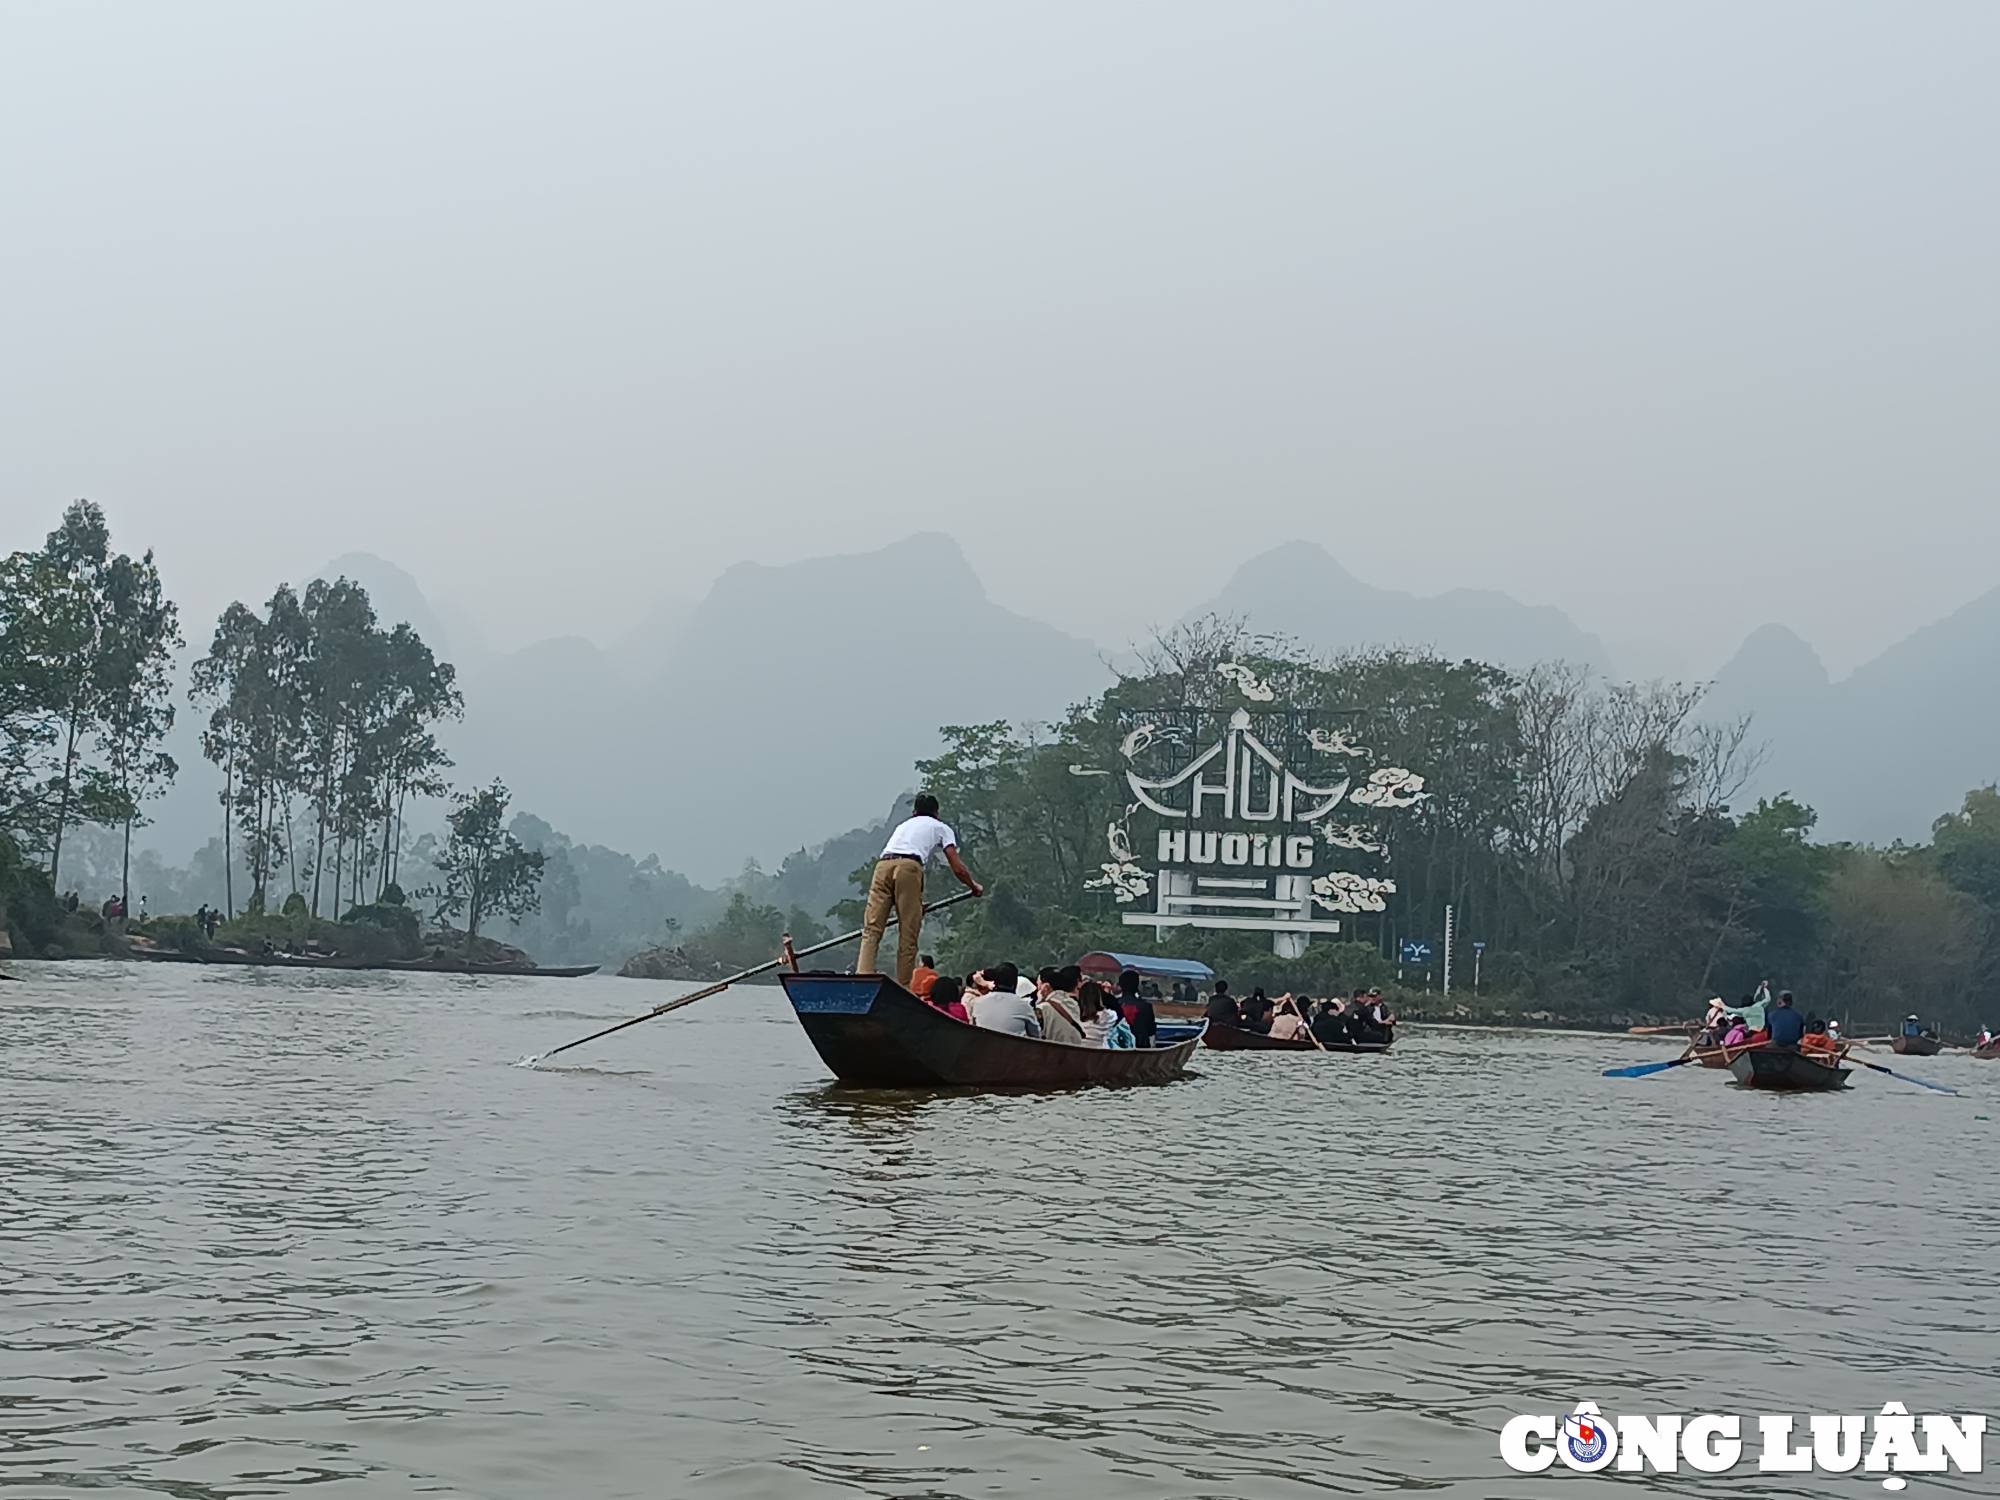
(1447, 950)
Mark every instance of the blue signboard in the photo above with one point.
(1415, 952)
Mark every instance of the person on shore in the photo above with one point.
(1785, 1025)
(924, 977)
(1137, 1009)
(1222, 1008)
(1056, 1005)
(898, 885)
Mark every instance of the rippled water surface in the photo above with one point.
(262, 1232)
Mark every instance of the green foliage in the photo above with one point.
(320, 723)
(390, 916)
(86, 638)
(484, 869)
(1581, 832)
(747, 934)
(28, 909)
(182, 933)
(302, 932)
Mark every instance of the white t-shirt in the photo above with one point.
(922, 837)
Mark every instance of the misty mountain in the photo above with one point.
(1882, 752)
(1298, 590)
(792, 703)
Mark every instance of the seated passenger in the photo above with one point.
(943, 994)
(1137, 1009)
(1103, 1025)
(1056, 1006)
(1330, 1025)
(1738, 1035)
(1222, 1006)
(1784, 1025)
(1003, 1010)
(1287, 1025)
(924, 976)
(1257, 1013)
(1816, 1043)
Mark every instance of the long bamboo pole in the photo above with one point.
(721, 985)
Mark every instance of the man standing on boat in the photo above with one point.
(898, 883)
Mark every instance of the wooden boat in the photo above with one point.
(248, 959)
(870, 1030)
(1916, 1046)
(1790, 1072)
(1988, 1053)
(1225, 1038)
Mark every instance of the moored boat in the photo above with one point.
(1226, 1038)
(871, 1031)
(242, 956)
(1786, 1071)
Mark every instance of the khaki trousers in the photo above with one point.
(897, 883)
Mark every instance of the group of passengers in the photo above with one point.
(1365, 1019)
(1764, 1022)
(1057, 1005)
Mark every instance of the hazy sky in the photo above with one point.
(1681, 317)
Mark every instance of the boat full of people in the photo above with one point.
(1768, 1044)
(1297, 1023)
(992, 1029)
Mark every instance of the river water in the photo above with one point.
(263, 1232)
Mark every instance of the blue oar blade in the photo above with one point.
(1640, 1070)
(1921, 1083)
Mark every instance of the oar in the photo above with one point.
(721, 985)
(1904, 1076)
(1640, 1070)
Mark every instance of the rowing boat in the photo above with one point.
(870, 1030)
(1988, 1053)
(1226, 1038)
(1786, 1071)
(1916, 1046)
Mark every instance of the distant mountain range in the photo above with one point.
(790, 703)
(1886, 750)
(1298, 590)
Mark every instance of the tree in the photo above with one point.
(486, 871)
(316, 704)
(1899, 939)
(85, 643)
(134, 688)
